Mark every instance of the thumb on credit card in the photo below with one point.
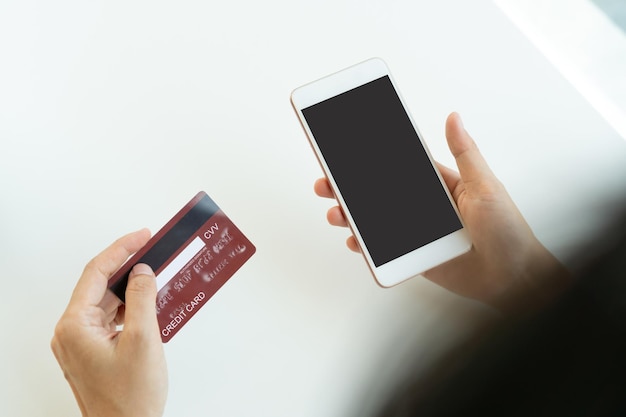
(140, 315)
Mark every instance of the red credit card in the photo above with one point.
(193, 255)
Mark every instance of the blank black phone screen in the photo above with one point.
(382, 170)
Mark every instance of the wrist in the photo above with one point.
(109, 411)
(538, 283)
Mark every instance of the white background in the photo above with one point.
(114, 114)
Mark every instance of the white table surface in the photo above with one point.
(114, 114)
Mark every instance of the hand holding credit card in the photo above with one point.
(192, 256)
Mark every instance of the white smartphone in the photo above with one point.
(381, 172)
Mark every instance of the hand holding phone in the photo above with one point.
(507, 268)
(381, 172)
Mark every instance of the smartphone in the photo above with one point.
(381, 172)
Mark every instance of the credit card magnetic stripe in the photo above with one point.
(168, 240)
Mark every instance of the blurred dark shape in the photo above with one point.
(568, 359)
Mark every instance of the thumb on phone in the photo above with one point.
(471, 164)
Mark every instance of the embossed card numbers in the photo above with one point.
(193, 255)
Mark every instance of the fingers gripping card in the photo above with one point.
(193, 255)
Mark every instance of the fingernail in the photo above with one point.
(142, 269)
(460, 120)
